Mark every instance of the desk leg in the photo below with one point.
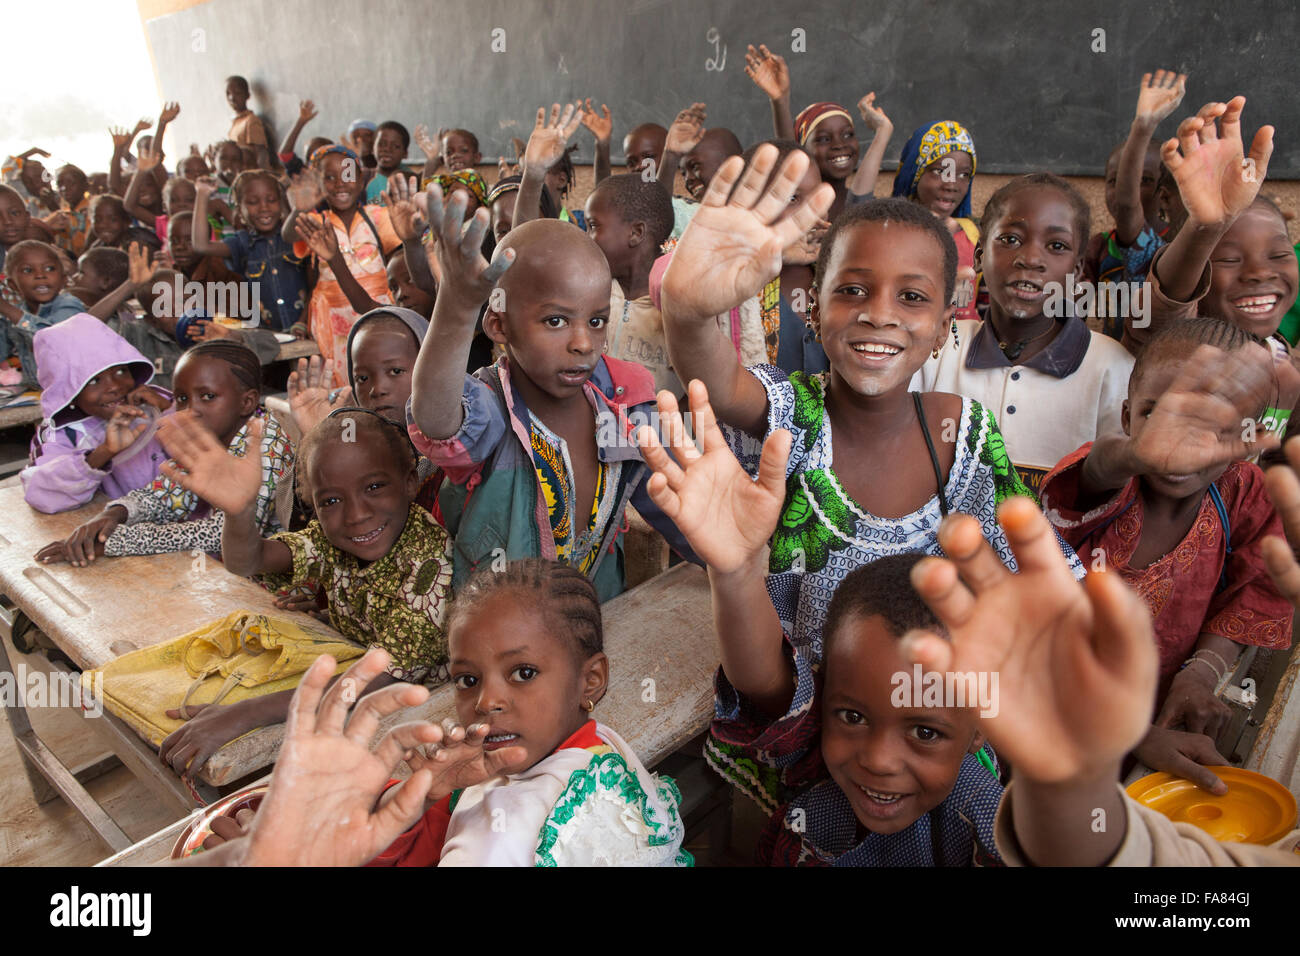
(48, 775)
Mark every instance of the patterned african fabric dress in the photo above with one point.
(329, 314)
(824, 534)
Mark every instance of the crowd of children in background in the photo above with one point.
(469, 451)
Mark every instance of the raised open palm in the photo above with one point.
(201, 464)
(309, 393)
(726, 516)
(1160, 94)
(458, 760)
(1216, 181)
(601, 124)
(733, 245)
(548, 141)
(1207, 415)
(1076, 666)
(768, 71)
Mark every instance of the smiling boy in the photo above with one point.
(34, 272)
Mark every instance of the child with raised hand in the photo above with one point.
(258, 252)
(98, 410)
(143, 199)
(528, 664)
(772, 76)
(110, 224)
(936, 171)
(363, 234)
(850, 777)
(601, 126)
(381, 559)
(546, 145)
(683, 137)
(701, 164)
(34, 273)
(1078, 671)
(459, 150)
(629, 218)
(286, 153)
(219, 384)
(900, 460)
(1051, 382)
(1232, 259)
(537, 447)
(1132, 171)
(1172, 508)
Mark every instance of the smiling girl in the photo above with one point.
(381, 559)
(364, 235)
(900, 460)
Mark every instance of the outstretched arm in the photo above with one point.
(685, 132)
(602, 127)
(545, 147)
(729, 251)
(438, 380)
(1158, 96)
(772, 76)
(863, 180)
(727, 519)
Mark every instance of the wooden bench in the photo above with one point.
(662, 657)
(97, 613)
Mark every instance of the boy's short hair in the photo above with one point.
(238, 79)
(1178, 340)
(998, 201)
(640, 201)
(565, 595)
(882, 589)
(113, 264)
(108, 199)
(902, 211)
(399, 129)
(26, 246)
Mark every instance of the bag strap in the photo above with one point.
(1217, 499)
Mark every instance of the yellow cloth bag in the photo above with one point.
(243, 655)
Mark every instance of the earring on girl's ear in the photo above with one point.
(589, 706)
(955, 341)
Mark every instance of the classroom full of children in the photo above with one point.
(895, 430)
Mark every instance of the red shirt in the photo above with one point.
(1182, 589)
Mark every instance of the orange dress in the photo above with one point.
(329, 314)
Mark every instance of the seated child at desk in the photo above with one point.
(381, 558)
(537, 448)
(34, 272)
(219, 384)
(94, 389)
(852, 775)
(528, 664)
(1184, 532)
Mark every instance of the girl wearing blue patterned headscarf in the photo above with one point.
(936, 170)
(922, 161)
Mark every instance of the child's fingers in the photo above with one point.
(658, 459)
(928, 649)
(332, 714)
(1230, 121)
(471, 240)
(505, 760)
(502, 261)
(306, 699)
(402, 738)
(706, 424)
(433, 207)
(1031, 537)
(1261, 150)
(1196, 754)
(366, 714)
(675, 428)
(962, 540)
(403, 809)
(663, 496)
(775, 199)
(937, 582)
(1187, 133)
(753, 182)
(1121, 640)
(1281, 564)
(1284, 489)
(772, 464)
(723, 180)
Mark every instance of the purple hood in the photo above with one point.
(70, 354)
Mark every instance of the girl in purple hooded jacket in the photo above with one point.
(99, 417)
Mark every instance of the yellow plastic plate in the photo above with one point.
(1256, 808)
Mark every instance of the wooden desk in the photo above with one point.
(299, 348)
(97, 613)
(20, 415)
(662, 657)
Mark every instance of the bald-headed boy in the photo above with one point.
(538, 449)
